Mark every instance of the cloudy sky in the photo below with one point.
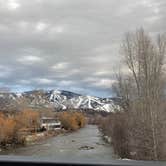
(69, 44)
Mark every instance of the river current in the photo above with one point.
(70, 147)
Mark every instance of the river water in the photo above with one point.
(67, 147)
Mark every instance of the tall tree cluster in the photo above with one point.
(143, 94)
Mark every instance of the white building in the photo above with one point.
(50, 123)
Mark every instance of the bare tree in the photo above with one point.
(142, 90)
(123, 88)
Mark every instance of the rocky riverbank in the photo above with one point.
(36, 137)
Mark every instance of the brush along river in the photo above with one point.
(83, 145)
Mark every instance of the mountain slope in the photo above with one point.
(62, 100)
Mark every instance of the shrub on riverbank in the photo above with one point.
(11, 126)
(116, 127)
(28, 119)
(72, 120)
(131, 136)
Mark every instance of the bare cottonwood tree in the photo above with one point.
(144, 57)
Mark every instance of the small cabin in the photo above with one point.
(50, 123)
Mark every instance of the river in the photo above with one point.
(67, 147)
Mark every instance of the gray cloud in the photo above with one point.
(72, 45)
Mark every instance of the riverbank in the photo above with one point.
(36, 137)
(33, 138)
(25, 127)
(83, 144)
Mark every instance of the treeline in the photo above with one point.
(13, 125)
(138, 131)
(72, 120)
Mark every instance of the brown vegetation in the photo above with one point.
(29, 119)
(13, 125)
(72, 120)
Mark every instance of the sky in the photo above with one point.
(70, 44)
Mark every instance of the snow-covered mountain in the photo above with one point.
(62, 100)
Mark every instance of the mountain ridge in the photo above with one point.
(63, 100)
